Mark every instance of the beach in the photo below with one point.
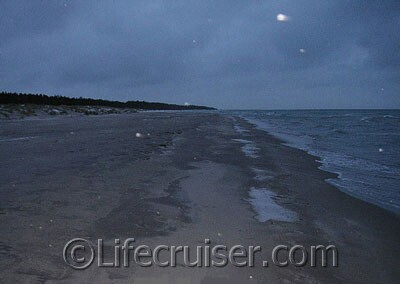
(176, 179)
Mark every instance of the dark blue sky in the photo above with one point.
(228, 54)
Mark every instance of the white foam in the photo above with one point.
(264, 204)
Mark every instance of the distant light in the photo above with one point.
(139, 135)
(380, 150)
(302, 50)
(194, 41)
(282, 18)
(186, 104)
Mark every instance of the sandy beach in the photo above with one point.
(177, 179)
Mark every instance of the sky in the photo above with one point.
(250, 54)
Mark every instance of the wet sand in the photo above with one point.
(186, 178)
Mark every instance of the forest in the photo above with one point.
(41, 99)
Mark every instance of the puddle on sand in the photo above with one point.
(264, 204)
(240, 129)
(249, 149)
(261, 175)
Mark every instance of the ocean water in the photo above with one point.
(361, 146)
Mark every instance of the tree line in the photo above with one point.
(41, 99)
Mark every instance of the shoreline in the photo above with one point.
(356, 223)
(319, 160)
(338, 180)
(186, 181)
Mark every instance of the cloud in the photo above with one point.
(221, 53)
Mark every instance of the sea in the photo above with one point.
(361, 146)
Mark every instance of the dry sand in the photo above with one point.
(183, 180)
